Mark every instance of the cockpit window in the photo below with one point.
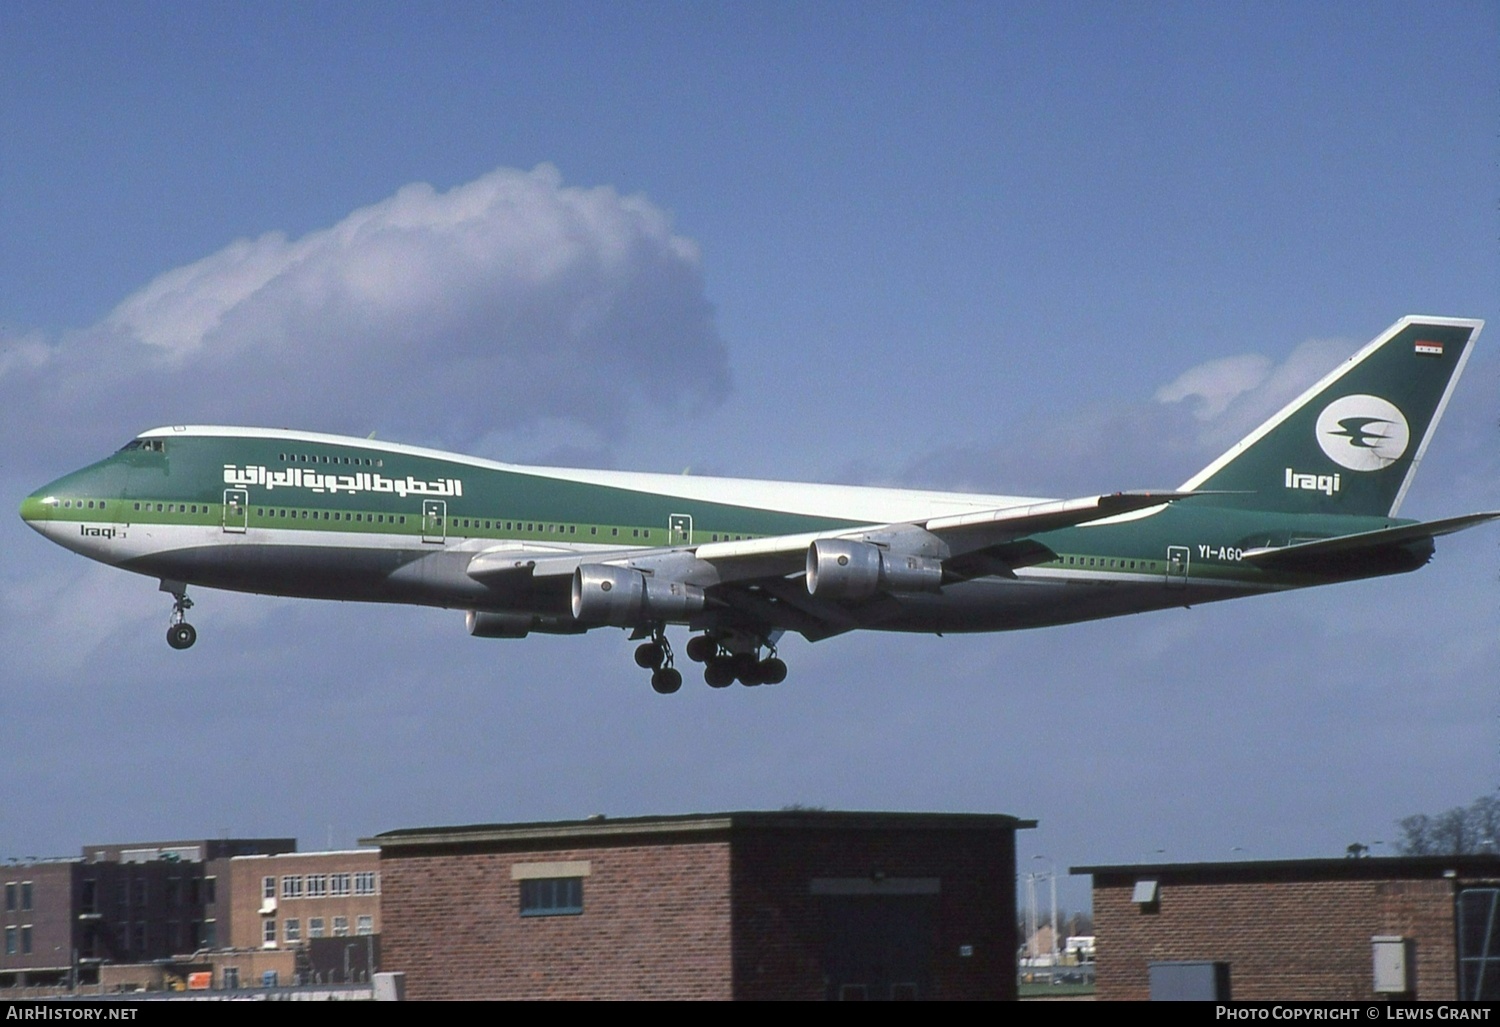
(148, 445)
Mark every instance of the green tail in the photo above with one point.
(1352, 442)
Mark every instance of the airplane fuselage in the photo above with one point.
(333, 517)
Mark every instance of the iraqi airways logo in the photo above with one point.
(1363, 433)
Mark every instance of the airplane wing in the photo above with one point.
(1311, 554)
(952, 536)
(980, 542)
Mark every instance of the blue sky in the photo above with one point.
(946, 245)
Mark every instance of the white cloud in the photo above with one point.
(1232, 395)
(1134, 443)
(1216, 384)
(431, 316)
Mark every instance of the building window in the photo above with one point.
(365, 924)
(26, 939)
(210, 890)
(315, 927)
(10, 941)
(89, 899)
(365, 883)
(10, 897)
(268, 887)
(1479, 944)
(317, 886)
(231, 977)
(268, 932)
(341, 927)
(338, 884)
(25, 895)
(210, 934)
(293, 931)
(291, 887)
(552, 896)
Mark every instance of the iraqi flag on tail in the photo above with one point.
(1427, 348)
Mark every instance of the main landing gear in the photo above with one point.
(180, 634)
(657, 655)
(727, 657)
(735, 656)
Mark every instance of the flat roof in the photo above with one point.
(601, 828)
(1474, 865)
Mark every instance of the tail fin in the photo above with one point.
(1352, 442)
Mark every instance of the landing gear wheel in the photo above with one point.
(746, 668)
(718, 674)
(667, 680)
(650, 655)
(701, 649)
(771, 671)
(181, 635)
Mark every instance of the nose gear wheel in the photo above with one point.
(181, 634)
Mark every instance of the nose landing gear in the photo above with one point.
(180, 634)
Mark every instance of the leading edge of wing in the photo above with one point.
(968, 532)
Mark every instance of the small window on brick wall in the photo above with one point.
(552, 896)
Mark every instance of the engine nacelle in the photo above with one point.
(844, 569)
(625, 598)
(498, 625)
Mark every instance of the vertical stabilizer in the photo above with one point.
(1351, 443)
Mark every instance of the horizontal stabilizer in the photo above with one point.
(1289, 557)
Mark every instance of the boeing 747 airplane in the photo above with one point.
(1308, 498)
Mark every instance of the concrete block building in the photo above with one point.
(796, 904)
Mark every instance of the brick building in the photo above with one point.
(325, 905)
(799, 904)
(1304, 929)
(131, 903)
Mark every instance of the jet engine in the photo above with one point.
(499, 625)
(843, 569)
(626, 598)
(519, 625)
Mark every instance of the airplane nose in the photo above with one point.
(37, 508)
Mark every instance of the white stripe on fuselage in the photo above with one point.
(861, 503)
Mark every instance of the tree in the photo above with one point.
(1416, 835)
(1460, 830)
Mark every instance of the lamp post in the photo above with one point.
(1052, 878)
